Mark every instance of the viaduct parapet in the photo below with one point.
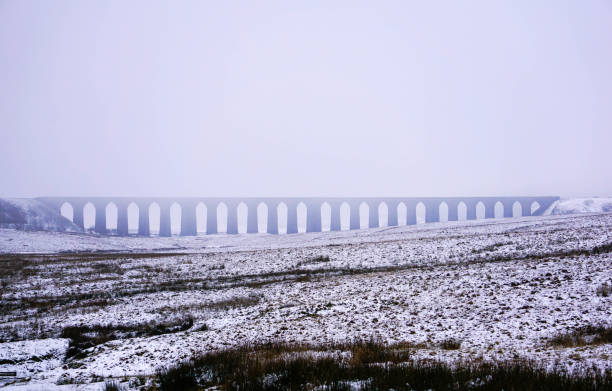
(188, 206)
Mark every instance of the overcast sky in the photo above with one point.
(210, 98)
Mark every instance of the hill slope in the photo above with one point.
(583, 205)
(32, 215)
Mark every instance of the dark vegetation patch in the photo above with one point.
(451, 344)
(226, 304)
(113, 386)
(81, 257)
(40, 305)
(24, 266)
(19, 331)
(604, 290)
(603, 249)
(85, 337)
(234, 302)
(489, 248)
(314, 261)
(370, 366)
(587, 335)
(33, 358)
(107, 268)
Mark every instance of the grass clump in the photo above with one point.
(587, 335)
(235, 302)
(360, 365)
(604, 290)
(450, 344)
(113, 386)
(314, 261)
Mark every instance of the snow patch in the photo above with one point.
(33, 356)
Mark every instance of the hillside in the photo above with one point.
(471, 292)
(32, 215)
(583, 205)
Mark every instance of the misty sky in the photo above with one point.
(309, 98)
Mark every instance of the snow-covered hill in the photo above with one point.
(582, 205)
(32, 215)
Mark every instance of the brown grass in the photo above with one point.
(587, 335)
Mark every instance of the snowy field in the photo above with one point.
(503, 289)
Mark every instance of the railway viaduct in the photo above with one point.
(432, 206)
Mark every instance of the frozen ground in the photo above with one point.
(503, 288)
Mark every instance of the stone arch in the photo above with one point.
(242, 214)
(401, 214)
(420, 211)
(112, 213)
(89, 216)
(175, 218)
(67, 211)
(283, 214)
(302, 212)
(517, 210)
(443, 211)
(383, 214)
(480, 210)
(535, 206)
(262, 217)
(461, 211)
(133, 215)
(201, 216)
(345, 216)
(222, 212)
(154, 218)
(364, 215)
(498, 210)
(326, 211)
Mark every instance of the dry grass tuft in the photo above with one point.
(373, 366)
(587, 335)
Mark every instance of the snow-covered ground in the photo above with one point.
(582, 205)
(501, 287)
(17, 241)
